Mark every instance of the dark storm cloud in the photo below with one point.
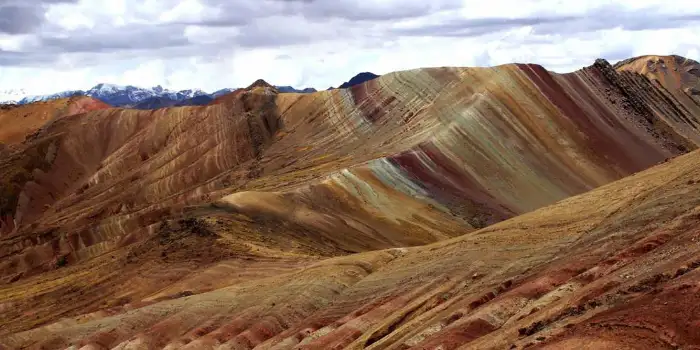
(25, 16)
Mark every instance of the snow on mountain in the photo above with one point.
(131, 95)
(11, 96)
(128, 95)
(105, 89)
(63, 94)
(218, 93)
(117, 95)
(191, 93)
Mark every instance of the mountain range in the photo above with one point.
(133, 97)
(504, 207)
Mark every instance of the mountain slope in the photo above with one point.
(457, 143)
(162, 102)
(680, 76)
(260, 197)
(673, 72)
(18, 121)
(613, 268)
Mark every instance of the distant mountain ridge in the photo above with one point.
(118, 95)
(358, 79)
(11, 96)
(130, 96)
(289, 89)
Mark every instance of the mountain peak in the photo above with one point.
(260, 83)
(674, 60)
(358, 79)
(675, 73)
(11, 96)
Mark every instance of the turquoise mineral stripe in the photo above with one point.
(394, 177)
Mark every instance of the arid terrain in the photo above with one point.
(441, 208)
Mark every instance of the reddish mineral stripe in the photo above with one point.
(371, 101)
(597, 141)
(447, 182)
(640, 154)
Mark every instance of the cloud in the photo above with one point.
(20, 17)
(320, 10)
(598, 18)
(370, 10)
(608, 17)
(134, 37)
(54, 45)
(478, 26)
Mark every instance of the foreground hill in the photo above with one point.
(128, 216)
(614, 268)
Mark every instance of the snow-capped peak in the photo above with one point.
(11, 96)
(189, 93)
(117, 95)
(103, 88)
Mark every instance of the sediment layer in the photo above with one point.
(363, 217)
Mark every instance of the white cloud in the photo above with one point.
(211, 44)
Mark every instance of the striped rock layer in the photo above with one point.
(20, 121)
(678, 75)
(233, 226)
(675, 73)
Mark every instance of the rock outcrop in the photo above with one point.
(678, 75)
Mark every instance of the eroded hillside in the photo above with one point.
(232, 224)
(20, 121)
(613, 268)
(679, 75)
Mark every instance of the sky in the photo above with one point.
(48, 46)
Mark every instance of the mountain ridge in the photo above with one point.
(358, 79)
(132, 96)
(410, 210)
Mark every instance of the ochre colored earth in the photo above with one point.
(19, 121)
(441, 208)
(680, 76)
